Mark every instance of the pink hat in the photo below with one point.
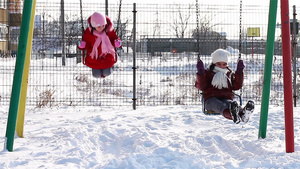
(97, 19)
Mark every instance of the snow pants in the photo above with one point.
(101, 72)
(217, 105)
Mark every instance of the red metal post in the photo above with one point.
(287, 76)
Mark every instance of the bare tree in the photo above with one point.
(208, 39)
(46, 33)
(180, 21)
(156, 30)
(205, 28)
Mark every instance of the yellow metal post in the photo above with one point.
(24, 85)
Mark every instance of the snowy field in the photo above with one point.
(150, 137)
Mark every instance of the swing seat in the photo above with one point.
(210, 112)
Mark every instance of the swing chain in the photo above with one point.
(240, 38)
(119, 18)
(81, 17)
(82, 29)
(240, 41)
(197, 28)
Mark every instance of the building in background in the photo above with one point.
(10, 22)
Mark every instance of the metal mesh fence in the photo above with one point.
(166, 54)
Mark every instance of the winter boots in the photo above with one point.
(247, 111)
(238, 114)
(234, 110)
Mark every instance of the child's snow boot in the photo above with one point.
(247, 111)
(234, 110)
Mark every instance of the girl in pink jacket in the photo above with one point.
(100, 42)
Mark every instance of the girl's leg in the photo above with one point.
(216, 105)
(221, 106)
(97, 72)
(226, 113)
(227, 101)
(106, 72)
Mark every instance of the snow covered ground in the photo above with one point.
(150, 137)
(111, 137)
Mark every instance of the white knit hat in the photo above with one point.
(220, 55)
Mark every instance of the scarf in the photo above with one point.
(220, 78)
(106, 46)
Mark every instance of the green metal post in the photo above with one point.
(17, 81)
(268, 69)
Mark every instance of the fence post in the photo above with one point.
(19, 68)
(134, 57)
(62, 21)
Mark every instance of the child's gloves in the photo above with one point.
(118, 43)
(200, 67)
(81, 44)
(240, 66)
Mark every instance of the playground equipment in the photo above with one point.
(24, 52)
(23, 57)
(288, 95)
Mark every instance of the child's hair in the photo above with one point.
(212, 66)
(92, 30)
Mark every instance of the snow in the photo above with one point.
(148, 137)
(179, 137)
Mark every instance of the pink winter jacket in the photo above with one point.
(104, 62)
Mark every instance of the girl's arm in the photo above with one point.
(114, 39)
(201, 82)
(237, 80)
(86, 40)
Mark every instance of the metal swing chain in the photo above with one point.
(119, 18)
(197, 28)
(240, 44)
(82, 29)
(240, 38)
(81, 17)
(198, 41)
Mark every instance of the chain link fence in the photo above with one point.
(166, 54)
